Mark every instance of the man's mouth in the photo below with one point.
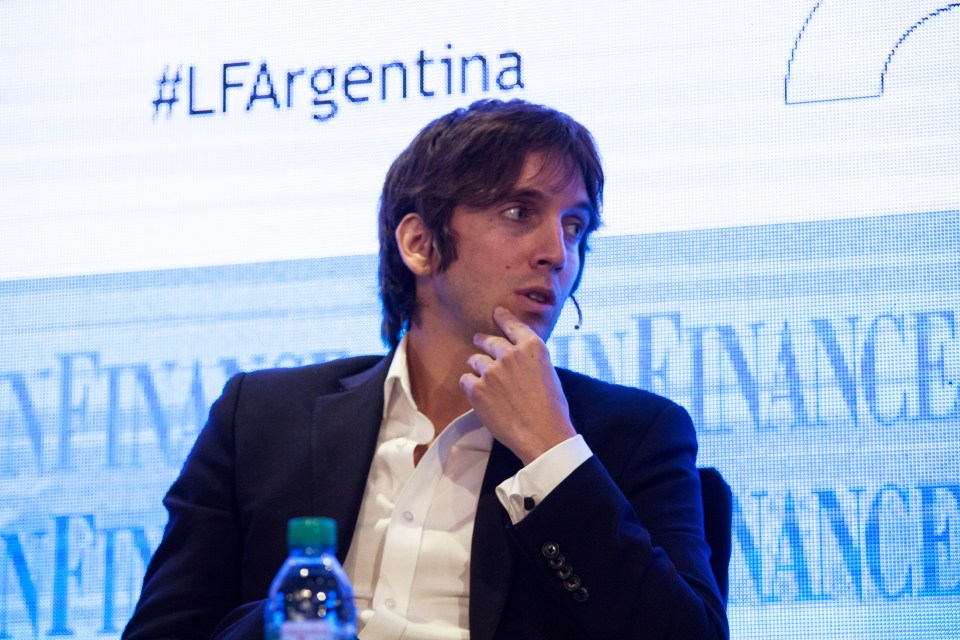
(540, 296)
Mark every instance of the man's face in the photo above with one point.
(522, 253)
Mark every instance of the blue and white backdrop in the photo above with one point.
(190, 189)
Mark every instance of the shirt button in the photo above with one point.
(390, 603)
(408, 516)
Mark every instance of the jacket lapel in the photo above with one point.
(491, 555)
(343, 441)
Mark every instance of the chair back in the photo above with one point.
(717, 524)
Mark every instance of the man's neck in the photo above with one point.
(435, 367)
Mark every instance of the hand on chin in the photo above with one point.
(515, 390)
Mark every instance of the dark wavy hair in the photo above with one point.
(471, 157)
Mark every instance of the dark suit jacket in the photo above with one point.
(291, 442)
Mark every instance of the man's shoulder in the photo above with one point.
(322, 378)
(598, 395)
(611, 416)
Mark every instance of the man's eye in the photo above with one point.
(515, 213)
(574, 229)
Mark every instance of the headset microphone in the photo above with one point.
(579, 312)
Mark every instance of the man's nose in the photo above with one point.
(551, 245)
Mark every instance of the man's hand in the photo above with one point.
(515, 390)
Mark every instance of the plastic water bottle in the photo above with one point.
(311, 597)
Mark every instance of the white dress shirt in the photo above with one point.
(409, 560)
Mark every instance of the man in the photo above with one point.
(480, 492)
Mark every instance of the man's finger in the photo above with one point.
(512, 326)
(479, 363)
(494, 346)
(467, 381)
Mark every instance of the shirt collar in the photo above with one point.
(396, 388)
(399, 406)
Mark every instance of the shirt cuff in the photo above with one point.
(536, 480)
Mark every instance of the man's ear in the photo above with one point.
(416, 244)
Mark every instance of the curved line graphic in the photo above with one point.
(793, 52)
(834, 30)
(914, 27)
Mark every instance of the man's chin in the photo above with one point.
(539, 323)
(541, 326)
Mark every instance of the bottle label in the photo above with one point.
(308, 630)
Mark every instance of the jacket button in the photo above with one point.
(565, 572)
(557, 563)
(551, 550)
(573, 583)
(581, 594)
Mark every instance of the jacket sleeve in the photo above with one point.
(620, 543)
(193, 580)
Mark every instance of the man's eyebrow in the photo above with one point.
(524, 194)
(537, 195)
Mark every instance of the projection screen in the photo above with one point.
(190, 190)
